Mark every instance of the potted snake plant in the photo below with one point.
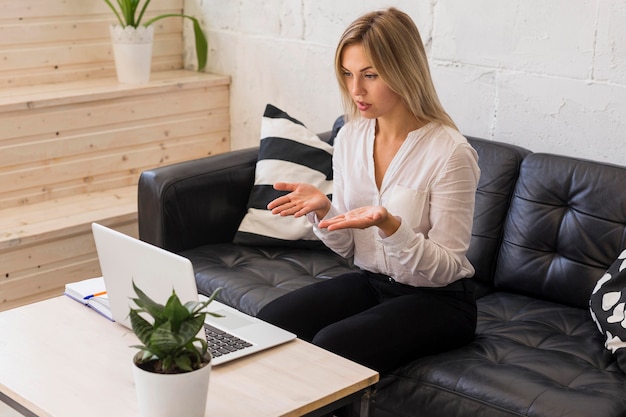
(132, 40)
(173, 365)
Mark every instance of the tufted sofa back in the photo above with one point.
(565, 226)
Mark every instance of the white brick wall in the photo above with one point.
(546, 75)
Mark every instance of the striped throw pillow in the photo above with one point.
(289, 152)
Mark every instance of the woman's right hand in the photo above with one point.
(301, 200)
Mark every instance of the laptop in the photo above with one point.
(157, 271)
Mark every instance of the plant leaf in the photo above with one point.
(184, 363)
(175, 312)
(149, 305)
(202, 45)
(125, 7)
(172, 339)
(190, 328)
(166, 340)
(143, 10)
(141, 327)
(203, 346)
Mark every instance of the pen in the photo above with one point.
(94, 295)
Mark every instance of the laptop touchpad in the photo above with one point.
(230, 321)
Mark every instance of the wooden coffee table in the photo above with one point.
(59, 358)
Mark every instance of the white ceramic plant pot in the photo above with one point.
(167, 395)
(132, 50)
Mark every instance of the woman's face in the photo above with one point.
(372, 95)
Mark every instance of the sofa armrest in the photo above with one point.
(198, 202)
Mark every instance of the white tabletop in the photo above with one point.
(63, 359)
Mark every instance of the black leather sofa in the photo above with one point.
(546, 227)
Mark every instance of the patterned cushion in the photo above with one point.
(607, 305)
(289, 152)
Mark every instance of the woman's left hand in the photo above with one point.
(362, 218)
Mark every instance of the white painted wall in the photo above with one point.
(546, 75)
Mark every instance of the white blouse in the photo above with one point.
(430, 186)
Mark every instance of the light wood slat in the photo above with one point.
(24, 261)
(101, 112)
(12, 9)
(68, 30)
(42, 32)
(54, 218)
(49, 278)
(92, 53)
(106, 171)
(87, 72)
(126, 160)
(6, 304)
(29, 259)
(102, 182)
(28, 197)
(52, 280)
(21, 280)
(32, 97)
(21, 150)
(77, 51)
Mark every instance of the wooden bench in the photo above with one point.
(73, 141)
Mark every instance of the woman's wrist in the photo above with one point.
(390, 225)
(321, 213)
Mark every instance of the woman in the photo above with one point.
(403, 204)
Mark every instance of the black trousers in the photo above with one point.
(375, 321)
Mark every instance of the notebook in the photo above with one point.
(92, 293)
(157, 271)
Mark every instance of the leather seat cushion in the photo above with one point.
(254, 276)
(529, 358)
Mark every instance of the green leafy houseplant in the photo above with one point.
(170, 342)
(130, 14)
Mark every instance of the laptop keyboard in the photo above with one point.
(222, 343)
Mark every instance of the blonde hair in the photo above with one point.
(394, 46)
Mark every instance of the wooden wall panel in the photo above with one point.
(60, 41)
(54, 219)
(107, 112)
(30, 151)
(23, 9)
(54, 151)
(41, 271)
(74, 141)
